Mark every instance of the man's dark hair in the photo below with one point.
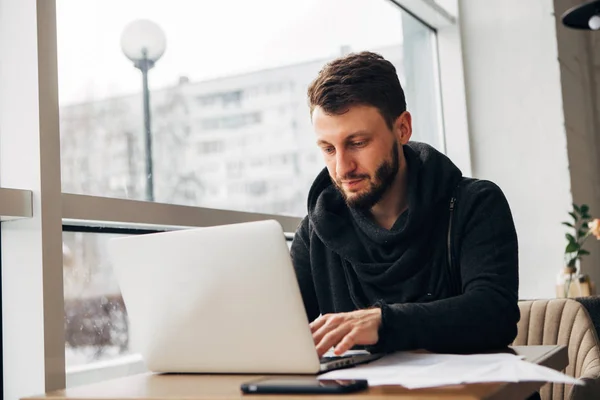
(363, 78)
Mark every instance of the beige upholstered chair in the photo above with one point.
(566, 322)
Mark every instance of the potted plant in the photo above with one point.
(581, 228)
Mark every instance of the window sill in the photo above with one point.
(104, 370)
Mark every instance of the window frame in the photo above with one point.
(33, 214)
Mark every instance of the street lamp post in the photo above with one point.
(143, 42)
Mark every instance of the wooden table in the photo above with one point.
(200, 387)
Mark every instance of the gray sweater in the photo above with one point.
(344, 261)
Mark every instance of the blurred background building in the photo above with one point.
(242, 142)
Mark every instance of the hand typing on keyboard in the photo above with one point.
(345, 330)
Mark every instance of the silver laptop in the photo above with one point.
(217, 300)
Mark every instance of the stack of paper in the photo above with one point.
(421, 370)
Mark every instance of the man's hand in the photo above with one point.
(344, 330)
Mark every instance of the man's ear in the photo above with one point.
(403, 127)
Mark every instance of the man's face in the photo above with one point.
(361, 153)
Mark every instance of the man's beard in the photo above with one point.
(384, 178)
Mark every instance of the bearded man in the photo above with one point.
(398, 251)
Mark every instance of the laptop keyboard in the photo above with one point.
(327, 359)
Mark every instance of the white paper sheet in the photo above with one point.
(421, 370)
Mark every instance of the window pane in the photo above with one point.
(96, 326)
(229, 126)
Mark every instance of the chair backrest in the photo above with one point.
(565, 322)
(592, 306)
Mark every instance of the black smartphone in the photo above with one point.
(309, 385)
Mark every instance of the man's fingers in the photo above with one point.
(330, 322)
(345, 330)
(346, 344)
(317, 323)
(332, 338)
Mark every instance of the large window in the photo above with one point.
(231, 142)
(230, 127)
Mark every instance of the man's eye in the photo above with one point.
(328, 150)
(358, 144)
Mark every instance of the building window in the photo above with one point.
(231, 121)
(211, 147)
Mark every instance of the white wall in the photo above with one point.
(516, 125)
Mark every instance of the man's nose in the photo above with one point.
(344, 164)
